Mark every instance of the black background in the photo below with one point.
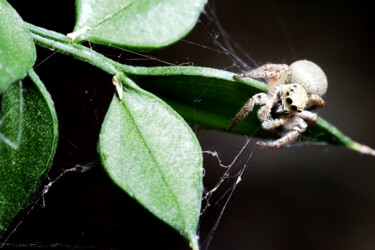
(301, 197)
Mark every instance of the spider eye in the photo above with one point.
(293, 107)
(289, 101)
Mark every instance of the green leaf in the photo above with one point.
(141, 24)
(151, 153)
(211, 98)
(28, 139)
(204, 96)
(17, 49)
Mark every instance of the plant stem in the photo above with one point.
(56, 41)
(59, 42)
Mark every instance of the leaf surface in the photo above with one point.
(152, 154)
(28, 139)
(17, 49)
(141, 24)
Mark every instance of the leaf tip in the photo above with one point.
(363, 149)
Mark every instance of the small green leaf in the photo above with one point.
(28, 139)
(152, 154)
(17, 49)
(141, 24)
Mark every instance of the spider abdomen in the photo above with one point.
(310, 76)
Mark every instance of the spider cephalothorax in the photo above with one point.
(293, 98)
(292, 91)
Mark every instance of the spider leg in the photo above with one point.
(296, 125)
(265, 111)
(315, 101)
(288, 137)
(277, 74)
(271, 124)
(260, 98)
(310, 117)
(267, 71)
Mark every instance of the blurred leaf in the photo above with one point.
(17, 49)
(141, 24)
(28, 139)
(152, 154)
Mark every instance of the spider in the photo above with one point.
(292, 91)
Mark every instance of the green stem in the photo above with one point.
(59, 42)
(56, 41)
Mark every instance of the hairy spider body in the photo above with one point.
(292, 90)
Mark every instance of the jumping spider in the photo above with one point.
(292, 91)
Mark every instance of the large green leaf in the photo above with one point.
(152, 154)
(28, 139)
(17, 49)
(208, 97)
(141, 24)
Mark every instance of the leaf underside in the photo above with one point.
(28, 139)
(141, 24)
(17, 49)
(151, 153)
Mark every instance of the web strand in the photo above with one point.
(227, 176)
(40, 197)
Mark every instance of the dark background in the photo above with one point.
(300, 197)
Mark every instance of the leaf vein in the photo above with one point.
(110, 16)
(154, 159)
